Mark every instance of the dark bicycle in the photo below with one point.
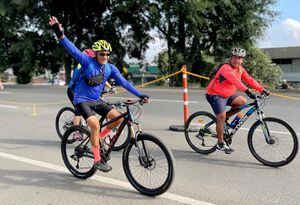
(148, 164)
(271, 141)
(64, 121)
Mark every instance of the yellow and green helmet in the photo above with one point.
(101, 45)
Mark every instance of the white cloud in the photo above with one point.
(292, 27)
(285, 34)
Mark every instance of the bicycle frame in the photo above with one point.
(254, 106)
(128, 120)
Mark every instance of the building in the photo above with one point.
(288, 58)
(140, 76)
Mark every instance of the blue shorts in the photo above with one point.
(219, 103)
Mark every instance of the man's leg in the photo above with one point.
(95, 128)
(235, 103)
(218, 105)
(220, 126)
(221, 145)
(110, 115)
(76, 120)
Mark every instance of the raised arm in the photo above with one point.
(68, 45)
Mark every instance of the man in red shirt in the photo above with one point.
(221, 92)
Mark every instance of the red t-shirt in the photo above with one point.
(233, 78)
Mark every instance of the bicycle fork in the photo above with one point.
(144, 160)
(264, 127)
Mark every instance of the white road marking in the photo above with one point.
(8, 106)
(167, 195)
(4, 92)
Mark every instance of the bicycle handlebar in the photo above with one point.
(127, 102)
(262, 96)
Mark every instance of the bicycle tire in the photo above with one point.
(68, 147)
(198, 138)
(123, 138)
(60, 125)
(276, 142)
(153, 165)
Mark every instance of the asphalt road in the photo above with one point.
(32, 170)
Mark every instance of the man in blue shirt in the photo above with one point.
(93, 74)
(71, 91)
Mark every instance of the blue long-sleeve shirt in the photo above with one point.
(91, 67)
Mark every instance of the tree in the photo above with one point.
(209, 28)
(261, 67)
(84, 21)
(198, 32)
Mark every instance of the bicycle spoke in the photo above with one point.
(77, 155)
(148, 166)
(281, 146)
(200, 132)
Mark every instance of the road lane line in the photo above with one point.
(8, 106)
(107, 180)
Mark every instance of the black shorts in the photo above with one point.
(71, 93)
(219, 103)
(87, 109)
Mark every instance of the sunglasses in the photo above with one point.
(104, 54)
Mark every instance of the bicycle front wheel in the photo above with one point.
(64, 120)
(148, 165)
(273, 142)
(77, 153)
(200, 132)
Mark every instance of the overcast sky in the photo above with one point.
(284, 31)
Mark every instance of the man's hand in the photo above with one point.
(57, 27)
(145, 98)
(265, 92)
(250, 94)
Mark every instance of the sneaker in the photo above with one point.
(77, 136)
(224, 147)
(102, 166)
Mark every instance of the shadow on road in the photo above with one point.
(184, 155)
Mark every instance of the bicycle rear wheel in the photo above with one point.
(150, 167)
(200, 132)
(64, 120)
(279, 149)
(77, 154)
